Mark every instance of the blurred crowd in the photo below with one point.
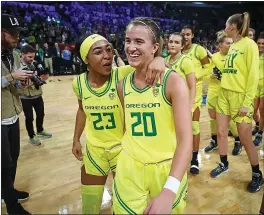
(59, 25)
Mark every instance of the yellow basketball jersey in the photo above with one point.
(196, 53)
(104, 112)
(183, 65)
(150, 135)
(261, 69)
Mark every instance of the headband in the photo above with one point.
(88, 43)
(149, 28)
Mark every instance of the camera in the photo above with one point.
(36, 67)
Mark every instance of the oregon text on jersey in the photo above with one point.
(110, 107)
(143, 105)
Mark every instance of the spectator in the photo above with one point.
(48, 54)
(57, 58)
(39, 57)
(66, 56)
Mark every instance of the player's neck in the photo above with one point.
(222, 53)
(188, 47)
(142, 70)
(236, 37)
(174, 57)
(96, 80)
(260, 53)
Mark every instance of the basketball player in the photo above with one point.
(218, 60)
(238, 89)
(256, 115)
(259, 100)
(152, 115)
(202, 68)
(101, 113)
(251, 33)
(181, 63)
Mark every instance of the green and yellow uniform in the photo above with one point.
(217, 64)
(239, 80)
(214, 84)
(104, 121)
(148, 145)
(197, 53)
(183, 65)
(260, 90)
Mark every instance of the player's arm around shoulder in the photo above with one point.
(178, 93)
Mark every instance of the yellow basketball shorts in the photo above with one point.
(136, 184)
(99, 161)
(212, 97)
(198, 97)
(229, 103)
(260, 91)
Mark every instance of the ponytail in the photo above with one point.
(242, 23)
(245, 25)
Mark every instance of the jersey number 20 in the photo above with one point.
(142, 117)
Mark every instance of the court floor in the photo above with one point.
(51, 174)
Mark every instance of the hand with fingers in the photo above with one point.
(21, 75)
(213, 76)
(77, 150)
(162, 204)
(155, 72)
(243, 111)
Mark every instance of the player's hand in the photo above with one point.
(213, 76)
(242, 111)
(21, 75)
(155, 71)
(77, 150)
(162, 204)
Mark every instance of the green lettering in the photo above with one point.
(148, 132)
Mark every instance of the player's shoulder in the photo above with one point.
(186, 59)
(198, 46)
(78, 78)
(216, 54)
(249, 42)
(171, 75)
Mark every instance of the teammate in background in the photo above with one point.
(157, 145)
(100, 113)
(202, 68)
(218, 60)
(259, 100)
(181, 63)
(238, 88)
(251, 33)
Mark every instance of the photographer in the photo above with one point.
(12, 80)
(32, 95)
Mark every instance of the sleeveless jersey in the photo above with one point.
(183, 65)
(103, 110)
(196, 52)
(150, 133)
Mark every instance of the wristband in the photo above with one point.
(172, 184)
